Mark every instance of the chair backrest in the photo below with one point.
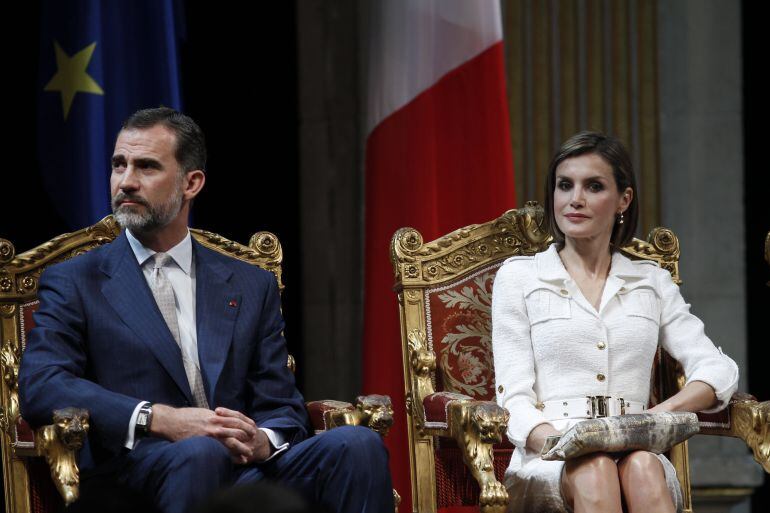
(28, 486)
(444, 291)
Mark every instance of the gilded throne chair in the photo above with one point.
(457, 444)
(39, 466)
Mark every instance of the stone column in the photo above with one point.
(701, 177)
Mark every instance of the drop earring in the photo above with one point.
(620, 217)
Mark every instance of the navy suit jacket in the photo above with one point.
(100, 343)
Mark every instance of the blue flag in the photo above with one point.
(99, 62)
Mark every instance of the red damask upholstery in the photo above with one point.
(436, 407)
(459, 332)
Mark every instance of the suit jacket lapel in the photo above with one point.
(216, 307)
(127, 292)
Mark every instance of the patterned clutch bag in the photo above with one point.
(653, 432)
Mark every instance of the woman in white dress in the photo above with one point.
(575, 329)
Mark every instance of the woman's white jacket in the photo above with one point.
(549, 343)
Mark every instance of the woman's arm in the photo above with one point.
(695, 396)
(514, 358)
(712, 377)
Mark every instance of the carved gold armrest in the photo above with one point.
(748, 420)
(476, 426)
(373, 411)
(59, 443)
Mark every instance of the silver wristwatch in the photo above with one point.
(143, 420)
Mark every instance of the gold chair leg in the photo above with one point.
(59, 443)
(479, 425)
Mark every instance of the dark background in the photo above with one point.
(757, 204)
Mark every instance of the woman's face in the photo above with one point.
(586, 200)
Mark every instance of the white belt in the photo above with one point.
(590, 407)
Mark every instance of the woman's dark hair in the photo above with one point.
(614, 153)
(190, 143)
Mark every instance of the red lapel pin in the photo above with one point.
(232, 303)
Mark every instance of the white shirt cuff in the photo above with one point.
(130, 442)
(277, 442)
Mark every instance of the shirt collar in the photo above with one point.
(181, 253)
(550, 268)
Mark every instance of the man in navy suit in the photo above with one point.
(177, 351)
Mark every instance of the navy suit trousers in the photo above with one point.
(344, 469)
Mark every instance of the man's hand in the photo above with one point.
(255, 448)
(180, 423)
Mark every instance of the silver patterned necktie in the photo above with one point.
(164, 296)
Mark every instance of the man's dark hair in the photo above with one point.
(613, 153)
(190, 143)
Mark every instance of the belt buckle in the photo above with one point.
(599, 406)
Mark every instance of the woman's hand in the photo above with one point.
(537, 436)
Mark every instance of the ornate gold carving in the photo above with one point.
(413, 296)
(476, 426)
(515, 232)
(372, 411)
(411, 271)
(10, 357)
(28, 283)
(662, 246)
(376, 412)
(7, 310)
(58, 443)
(396, 499)
(291, 363)
(423, 365)
(750, 421)
(411, 240)
(7, 251)
(408, 402)
(6, 284)
(423, 360)
(39, 253)
(264, 249)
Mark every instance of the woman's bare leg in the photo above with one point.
(643, 481)
(590, 484)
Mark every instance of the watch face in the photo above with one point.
(141, 420)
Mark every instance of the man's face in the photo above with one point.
(146, 184)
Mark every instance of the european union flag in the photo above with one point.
(99, 62)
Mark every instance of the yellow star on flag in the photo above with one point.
(71, 76)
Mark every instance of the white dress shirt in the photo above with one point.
(181, 274)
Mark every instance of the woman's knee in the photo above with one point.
(640, 463)
(641, 469)
(598, 466)
(589, 476)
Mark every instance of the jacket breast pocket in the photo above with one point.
(641, 302)
(545, 305)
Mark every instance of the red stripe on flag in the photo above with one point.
(441, 162)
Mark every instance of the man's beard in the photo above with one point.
(148, 219)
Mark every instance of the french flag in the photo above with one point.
(438, 157)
